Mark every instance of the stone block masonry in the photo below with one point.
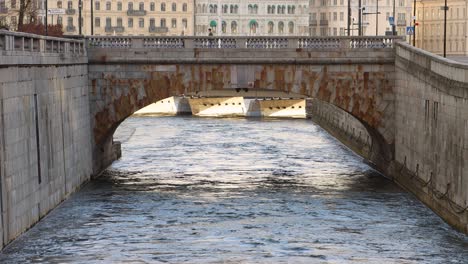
(45, 147)
(431, 125)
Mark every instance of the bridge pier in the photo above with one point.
(104, 154)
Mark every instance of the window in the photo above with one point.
(152, 23)
(174, 7)
(119, 6)
(341, 16)
(234, 27)
(13, 4)
(223, 26)
(152, 6)
(184, 7)
(108, 6)
(291, 27)
(59, 20)
(174, 23)
(108, 22)
(163, 6)
(270, 27)
(280, 27)
(119, 22)
(97, 22)
(70, 5)
(141, 6)
(253, 27)
(163, 22)
(14, 22)
(130, 22)
(335, 16)
(141, 22)
(184, 23)
(130, 6)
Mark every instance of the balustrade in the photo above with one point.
(16, 41)
(244, 42)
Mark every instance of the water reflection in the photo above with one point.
(238, 191)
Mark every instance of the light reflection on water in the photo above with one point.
(238, 191)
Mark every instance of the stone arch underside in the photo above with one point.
(117, 91)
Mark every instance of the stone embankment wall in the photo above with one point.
(342, 125)
(431, 132)
(45, 147)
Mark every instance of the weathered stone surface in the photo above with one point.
(431, 120)
(40, 168)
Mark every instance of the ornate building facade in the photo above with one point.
(249, 18)
(115, 17)
(330, 17)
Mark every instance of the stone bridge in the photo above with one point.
(354, 74)
(403, 109)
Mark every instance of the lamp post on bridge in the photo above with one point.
(376, 13)
(46, 22)
(80, 5)
(445, 8)
(92, 16)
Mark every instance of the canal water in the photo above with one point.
(200, 190)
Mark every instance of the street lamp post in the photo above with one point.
(377, 18)
(394, 20)
(414, 24)
(46, 22)
(360, 19)
(92, 17)
(445, 8)
(80, 4)
(349, 18)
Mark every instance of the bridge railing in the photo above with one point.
(234, 42)
(25, 42)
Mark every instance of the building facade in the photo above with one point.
(330, 17)
(114, 17)
(430, 29)
(250, 18)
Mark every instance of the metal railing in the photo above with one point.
(17, 41)
(187, 42)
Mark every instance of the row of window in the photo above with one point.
(334, 16)
(253, 27)
(252, 9)
(401, 3)
(130, 6)
(141, 22)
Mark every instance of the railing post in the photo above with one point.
(345, 43)
(293, 43)
(42, 45)
(241, 42)
(136, 43)
(188, 43)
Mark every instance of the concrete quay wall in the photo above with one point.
(431, 132)
(45, 146)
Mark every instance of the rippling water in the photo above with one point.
(238, 191)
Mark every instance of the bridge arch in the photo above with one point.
(349, 80)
